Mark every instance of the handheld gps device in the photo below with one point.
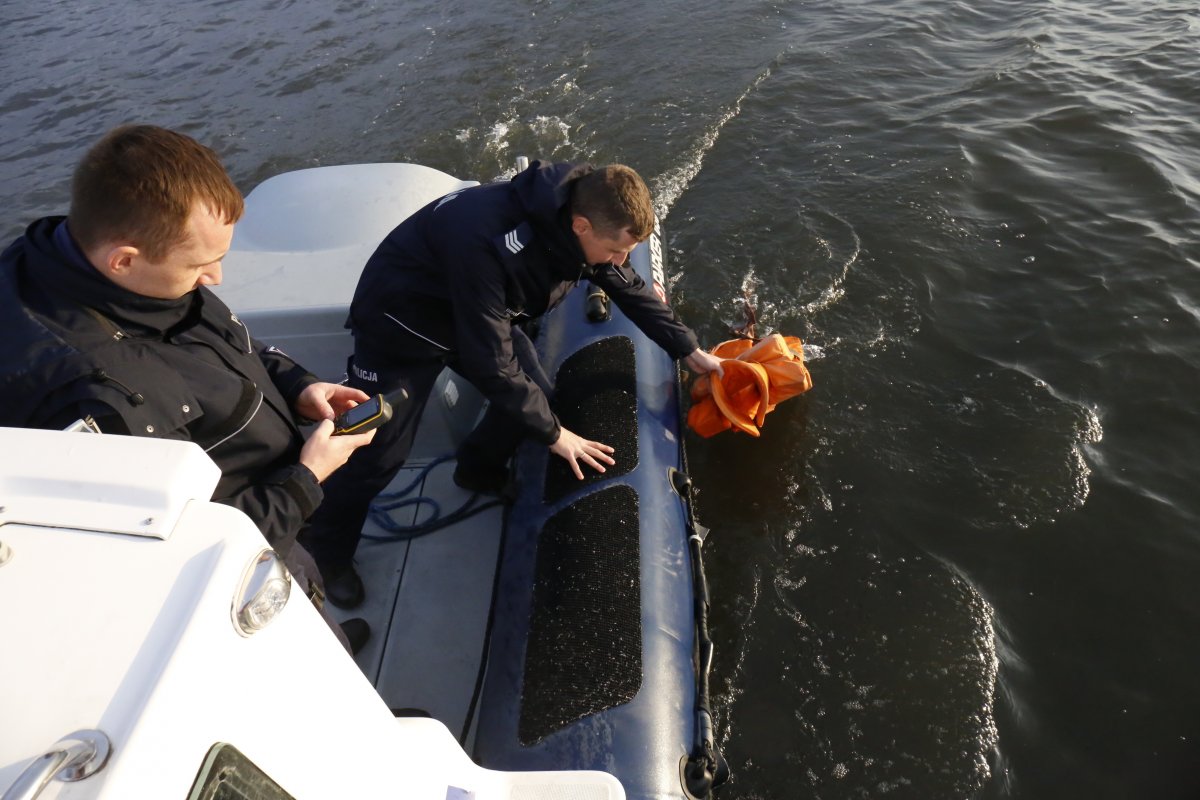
(366, 416)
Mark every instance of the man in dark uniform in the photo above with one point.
(107, 314)
(449, 287)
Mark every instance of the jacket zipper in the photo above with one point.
(245, 330)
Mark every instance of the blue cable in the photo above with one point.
(384, 504)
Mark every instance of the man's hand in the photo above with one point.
(326, 400)
(323, 453)
(702, 361)
(575, 448)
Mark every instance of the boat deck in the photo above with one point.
(429, 597)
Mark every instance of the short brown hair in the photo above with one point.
(140, 183)
(613, 199)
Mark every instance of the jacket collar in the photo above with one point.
(545, 192)
(61, 268)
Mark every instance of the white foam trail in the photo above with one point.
(670, 185)
(1090, 433)
(834, 292)
(750, 283)
(496, 136)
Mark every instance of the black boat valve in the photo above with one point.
(598, 304)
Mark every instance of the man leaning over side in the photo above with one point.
(451, 286)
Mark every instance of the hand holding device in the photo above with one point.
(367, 416)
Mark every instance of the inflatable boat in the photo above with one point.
(560, 639)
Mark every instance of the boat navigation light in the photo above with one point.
(266, 586)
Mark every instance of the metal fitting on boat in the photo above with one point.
(72, 758)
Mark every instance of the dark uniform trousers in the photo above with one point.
(335, 528)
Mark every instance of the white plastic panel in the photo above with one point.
(326, 208)
(306, 235)
(96, 482)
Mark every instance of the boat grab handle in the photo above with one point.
(72, 758)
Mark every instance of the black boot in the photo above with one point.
(343, 587)
(491, 481)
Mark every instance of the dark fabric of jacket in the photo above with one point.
(76, 344)
(450, 281)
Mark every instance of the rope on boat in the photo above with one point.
(385, 504)
(705, 767)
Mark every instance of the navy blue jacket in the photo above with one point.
(76, 344)
(451, 280)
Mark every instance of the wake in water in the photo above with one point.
(824, 247)
(841, 249)
(891, 689)
(545, 137)
(831, 248)
(668, 187)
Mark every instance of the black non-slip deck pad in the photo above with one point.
(585, 642)
(595, 396)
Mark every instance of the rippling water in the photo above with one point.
(965, 564)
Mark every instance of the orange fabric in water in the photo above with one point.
(758, 376)
(741, 396)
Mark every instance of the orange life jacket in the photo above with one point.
(758, 376)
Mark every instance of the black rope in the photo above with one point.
(706, 767)
(385, 504)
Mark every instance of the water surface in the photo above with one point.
(964, 564)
